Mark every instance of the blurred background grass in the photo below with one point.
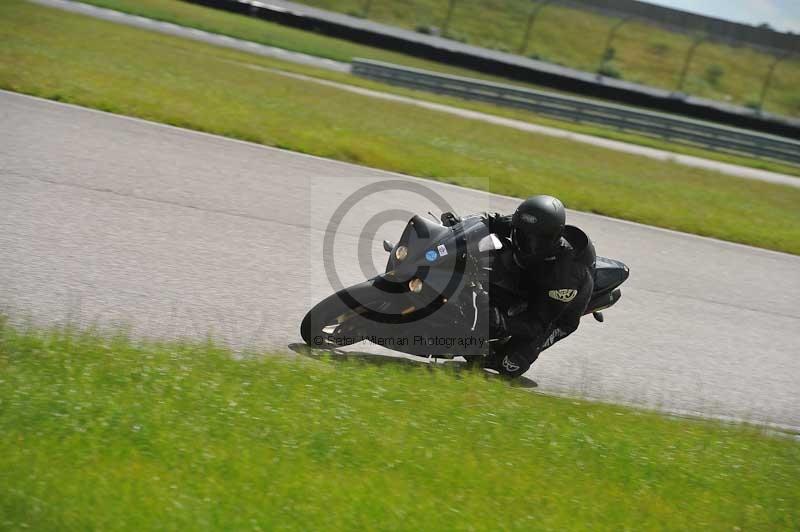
(97, 432)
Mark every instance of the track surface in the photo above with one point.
(113, 221)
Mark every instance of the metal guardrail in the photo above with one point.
(693, 132)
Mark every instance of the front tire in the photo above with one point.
(325, 321)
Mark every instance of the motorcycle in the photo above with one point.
(431, 299)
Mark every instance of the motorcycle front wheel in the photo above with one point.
(334, 322)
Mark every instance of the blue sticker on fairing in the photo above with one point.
(431, 255)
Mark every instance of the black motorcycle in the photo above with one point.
(432, 299)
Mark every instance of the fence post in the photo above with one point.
(367, 7)
(611, 34)
(451, 4)
(689, 55)
(531, 19)
(768, 79)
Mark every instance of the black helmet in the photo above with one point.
(536, 228)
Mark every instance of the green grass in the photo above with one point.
(129, 71)
(102, 433)
(247, 28)
(644, 52)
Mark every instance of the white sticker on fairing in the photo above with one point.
(442, 250)
(565, 294)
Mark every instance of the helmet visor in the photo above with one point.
(526, 244)
(529, 247)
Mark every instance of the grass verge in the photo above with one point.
(130, 71)
(102, 433)
(271, 34)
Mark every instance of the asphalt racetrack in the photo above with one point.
(115, 222)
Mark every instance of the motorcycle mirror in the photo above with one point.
(387, 246)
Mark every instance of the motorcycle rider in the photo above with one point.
(550, 267)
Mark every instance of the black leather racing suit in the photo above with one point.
(540, 305)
